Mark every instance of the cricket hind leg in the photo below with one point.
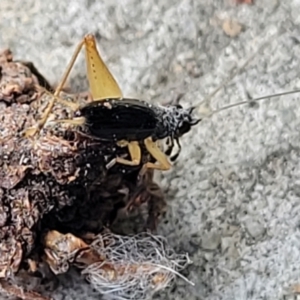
(101, 82)
(41, 123)
(31, 131)
(134, 152)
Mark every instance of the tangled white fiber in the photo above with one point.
(135, 267)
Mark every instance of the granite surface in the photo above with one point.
(234, 193)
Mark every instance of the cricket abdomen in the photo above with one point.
(114, 119)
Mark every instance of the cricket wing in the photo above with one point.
(118, 120)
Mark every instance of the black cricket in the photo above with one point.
(135, 120)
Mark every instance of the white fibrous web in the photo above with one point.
(135, 267)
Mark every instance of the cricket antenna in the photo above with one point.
(210, 113)
(205, 103)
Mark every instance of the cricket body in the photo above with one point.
(129, 121)
(126, 122)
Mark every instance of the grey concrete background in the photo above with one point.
(234, 194)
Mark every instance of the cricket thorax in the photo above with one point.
(174, 121)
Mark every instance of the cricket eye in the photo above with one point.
(184, 128)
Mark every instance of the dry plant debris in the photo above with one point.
(232, 28)
(122, 267)
(58, 202)
(244, 1)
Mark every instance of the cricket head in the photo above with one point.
(178, 120)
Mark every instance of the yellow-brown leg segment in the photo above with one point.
(162, 162)
(41, 123)
(134, 152)
(73, 106)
